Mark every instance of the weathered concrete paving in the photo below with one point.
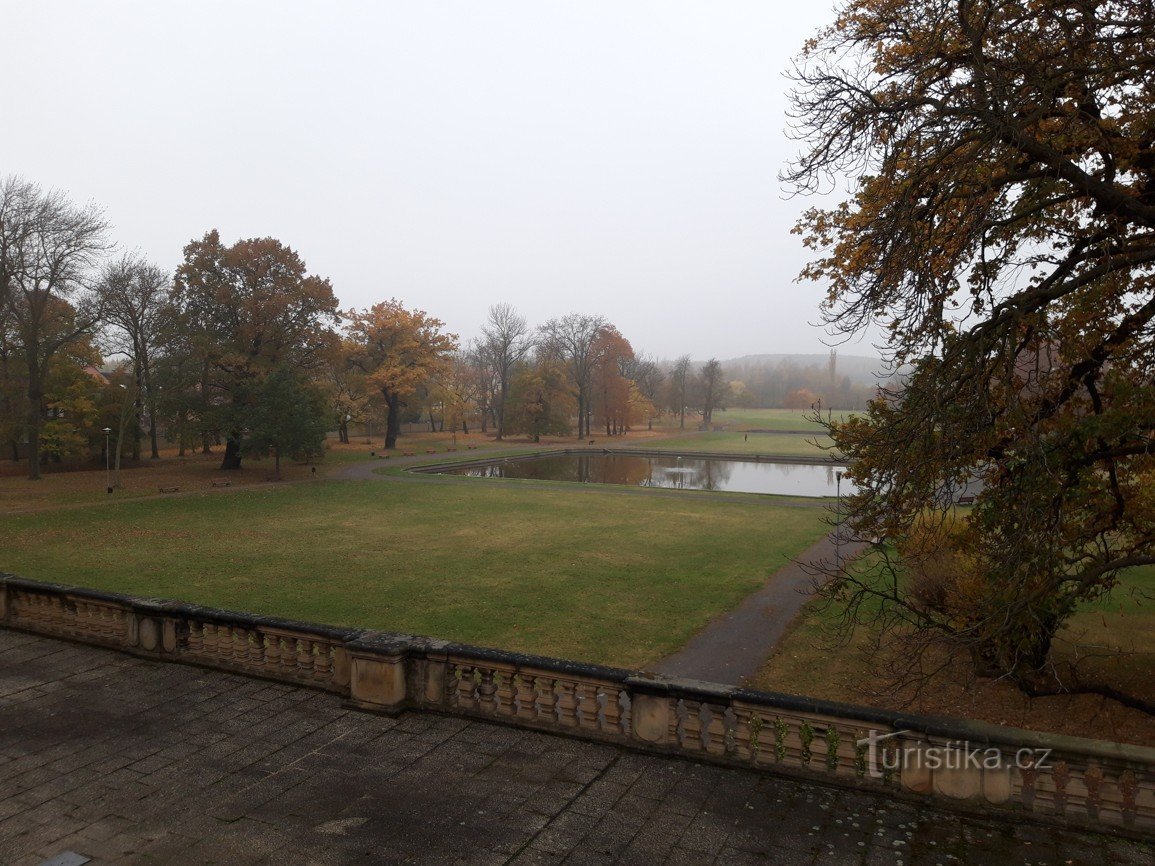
(130, 761)
(733, 647)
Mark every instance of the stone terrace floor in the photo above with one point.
(125, 760)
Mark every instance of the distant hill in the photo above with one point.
(862, 369)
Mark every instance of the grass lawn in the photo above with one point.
(810, 661)
(597, 575)
(782, 444)
(782, 432)
(768, 419)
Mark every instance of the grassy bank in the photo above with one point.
(1114, 637)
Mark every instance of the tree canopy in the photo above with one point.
(250, 308)
(1001, 232)
(399, 350)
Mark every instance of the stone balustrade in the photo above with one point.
(967, 765)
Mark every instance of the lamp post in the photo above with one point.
(838, 519)
(107, 466)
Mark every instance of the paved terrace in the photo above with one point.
(125, 760)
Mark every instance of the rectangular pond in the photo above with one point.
(736, 475)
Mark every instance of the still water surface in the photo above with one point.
(688, 473)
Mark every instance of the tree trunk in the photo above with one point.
(35, 401)
(137, 408)
(152, 440)
(500, 419)
(393, 421)
(277, 464)
(205, 447)
(119, 450)
(150, 405)
(232, 458)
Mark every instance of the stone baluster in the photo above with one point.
(1093, 779)
(304, 657)
(505, 694)
(196, 637)
(1129, 788)
(730, 732)
(487, 692)
(707, 719)
(273, 650)
(240, 644)
(678, 723)
(524, 697)
(322, 661)
(288, 648)
(466, 687)
(451, 677)
(567, 704)
(586, 696)
(625, 706)
(546, 701)
(1060, 776)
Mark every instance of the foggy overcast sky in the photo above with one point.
(611, 158)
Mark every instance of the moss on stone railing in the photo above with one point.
(957, 763)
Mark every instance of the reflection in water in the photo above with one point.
(689, 473)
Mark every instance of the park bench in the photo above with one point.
(223, 482)
(471, 447)
(167, 489)
(408, 454)
(430, 450)
(450, 449)
(966, 500)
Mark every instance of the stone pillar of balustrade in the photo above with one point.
(378, 666)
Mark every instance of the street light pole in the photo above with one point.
(107, 465)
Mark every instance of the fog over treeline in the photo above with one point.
(243, 347)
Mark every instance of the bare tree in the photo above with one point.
(679, 387)
(48, 248)
(484, 385)
(506, 339)
(135, 299)
(713, 390)
(570, 340)
(644, 372)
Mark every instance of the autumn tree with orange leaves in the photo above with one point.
(399, 350)
(1001, 233)
(611, 389)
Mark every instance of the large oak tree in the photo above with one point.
(248, 310)
(1001, 232)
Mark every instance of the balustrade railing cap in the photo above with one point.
(680, 687)
(382, 642)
